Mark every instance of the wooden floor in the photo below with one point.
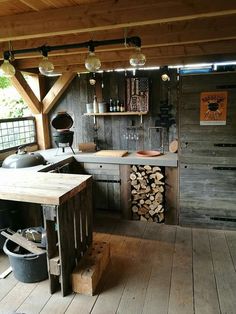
(154, 269)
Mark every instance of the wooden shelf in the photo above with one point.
(125, 113)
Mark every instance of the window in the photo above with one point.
(17, 131)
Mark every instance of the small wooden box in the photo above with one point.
(88, 272)
(87, 147)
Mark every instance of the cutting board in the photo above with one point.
(173, 147)
(111, 153)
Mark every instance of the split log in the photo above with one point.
(135, 216)
(134, 168)
(132, 176)
(142, 211)
(134, 209)
(159, 176)
(160, 217)
(155, 169)
(152, 212)
(143, 218)
(137, 187)
(134, 182)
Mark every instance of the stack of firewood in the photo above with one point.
(147, 190)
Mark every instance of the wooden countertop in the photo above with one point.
(39, 187)
(166, 160)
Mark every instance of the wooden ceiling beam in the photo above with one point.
(21, 85)
(108, 15)
(56, 91)
(198, 30)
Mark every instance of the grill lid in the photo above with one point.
(22, 159)
(62, 121)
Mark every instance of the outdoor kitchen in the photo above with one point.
(117, 157)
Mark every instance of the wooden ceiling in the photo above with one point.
(172, 32)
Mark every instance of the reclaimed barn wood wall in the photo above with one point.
(112, 129)
(207, 172)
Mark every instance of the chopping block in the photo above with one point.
(88, 272)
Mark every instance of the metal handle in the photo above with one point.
(30, 257)
(20, 149)
(224, 168)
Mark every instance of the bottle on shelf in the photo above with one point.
(111, 106)
(95, 104)
(122, 107)
(118, 105)
(114, 106)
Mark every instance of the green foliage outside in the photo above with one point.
(11, 104)
(4, 82)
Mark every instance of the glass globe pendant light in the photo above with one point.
(46, 67)
(7, 69)
(137, 59)
(92, 62)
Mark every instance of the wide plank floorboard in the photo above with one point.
(205, 290)
(154, 269)
(181, 290)
(224, 272)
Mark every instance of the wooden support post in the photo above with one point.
(52, 251)
(43, 134)
(171, 196)
(125, 191)
(21, 85)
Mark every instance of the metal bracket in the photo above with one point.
(55, 266)
(49, 212)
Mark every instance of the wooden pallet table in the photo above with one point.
(66, 200)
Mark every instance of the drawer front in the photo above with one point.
(103, 169)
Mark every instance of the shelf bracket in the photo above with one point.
(94, 121)
(141, 120)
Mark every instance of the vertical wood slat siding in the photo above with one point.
(112, 128)
(207, 195)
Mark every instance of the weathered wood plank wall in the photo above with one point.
(112, 129)
(207, 195)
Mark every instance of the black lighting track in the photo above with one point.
(128, 41)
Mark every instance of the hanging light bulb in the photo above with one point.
(137, 59)
(92, 81)
(7, 69)
(92, 62)
(165, 75)
(45, 66)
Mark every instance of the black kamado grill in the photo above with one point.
(63, 137)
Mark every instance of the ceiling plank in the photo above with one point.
(21, 85)
(108, 15)
(56, 91)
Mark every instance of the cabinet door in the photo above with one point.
(106, 195)
(106, 187)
